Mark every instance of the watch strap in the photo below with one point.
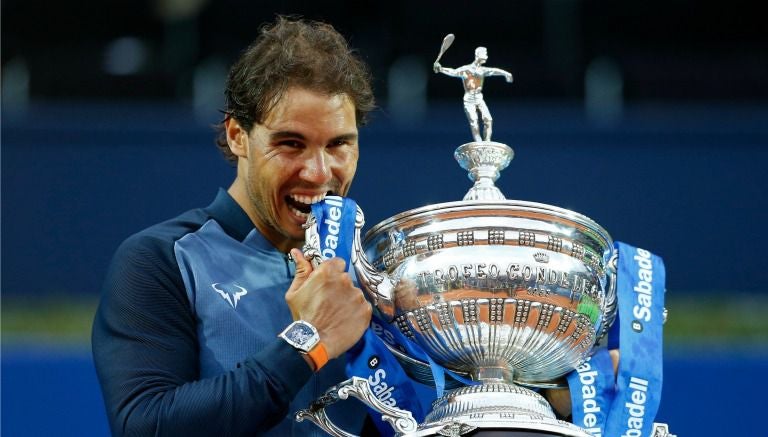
(318, 355)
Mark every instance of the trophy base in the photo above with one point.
(500, 432)
(494, 409)
(487, 410)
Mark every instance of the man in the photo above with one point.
(185, 340)
(473, 75)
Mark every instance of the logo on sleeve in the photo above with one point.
(231, 297)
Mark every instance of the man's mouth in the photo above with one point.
(301, 205)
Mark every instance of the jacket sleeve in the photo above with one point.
(146, 356)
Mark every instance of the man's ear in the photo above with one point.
(237, 138)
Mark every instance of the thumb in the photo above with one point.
(303, 269)
(303, 265)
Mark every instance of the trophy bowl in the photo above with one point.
(508, 293)
(499, 290)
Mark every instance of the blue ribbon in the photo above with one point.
(388, 333)
(625, 405)
(370, 358)
(592, 389)
(336, 226)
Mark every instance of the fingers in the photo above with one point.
(310, 280)
(304, 269)
(559, 400)
(335, 265)
(304, 266)
(348, 325)
(615, 359)
(326, 297)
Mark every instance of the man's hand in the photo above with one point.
(436, 67)
(326, 297)
(508, 77)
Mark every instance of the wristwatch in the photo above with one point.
(305, 339)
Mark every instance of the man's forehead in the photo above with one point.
(298, 100)
(305, 112)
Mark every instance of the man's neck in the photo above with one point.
(239, 193)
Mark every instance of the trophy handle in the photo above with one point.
(311, 248)
(402, 421)
(611, 303)
(610, 311)
(378, 285)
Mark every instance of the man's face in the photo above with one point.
(305, 149)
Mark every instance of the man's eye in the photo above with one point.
(339, 143)
(290, 143)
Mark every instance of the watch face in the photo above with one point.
(300, 333)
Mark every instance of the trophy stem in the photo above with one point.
(490, 375)
(483, 161)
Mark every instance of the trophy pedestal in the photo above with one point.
(495, 406)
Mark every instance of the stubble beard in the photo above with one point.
(261, 209)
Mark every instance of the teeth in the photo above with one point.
(299, 213)
(307, 200)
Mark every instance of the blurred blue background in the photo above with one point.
(649, 117)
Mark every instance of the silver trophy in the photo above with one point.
(509, 293)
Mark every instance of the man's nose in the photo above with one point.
(316, 168)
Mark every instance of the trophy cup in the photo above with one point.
(511, 294)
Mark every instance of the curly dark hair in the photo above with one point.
(293, 52)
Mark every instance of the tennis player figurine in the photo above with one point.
(473, 75)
